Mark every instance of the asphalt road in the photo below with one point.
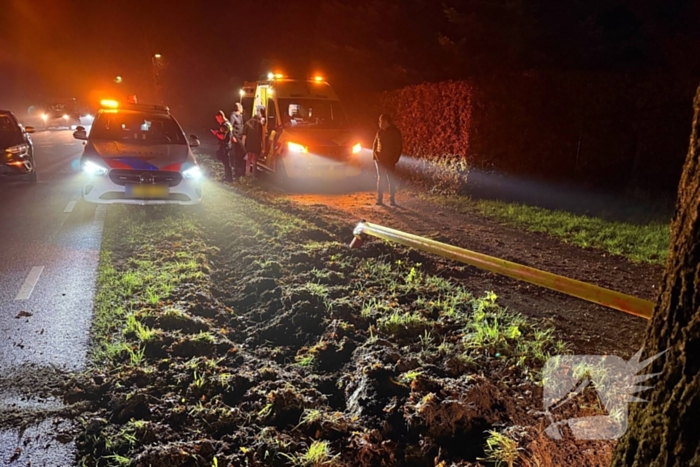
(48, 265)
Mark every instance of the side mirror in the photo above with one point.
(80, 133)
(194, 141)
(29, 129)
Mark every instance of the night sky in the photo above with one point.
(77, 47)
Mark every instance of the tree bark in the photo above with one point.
(665, 432)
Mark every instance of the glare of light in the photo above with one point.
(194, 173)
(44, 117)
(109, 103)
(279, 76)
(242, 92)
(356, 148)
(65, 117)
(91, 168)
(294, 147)
(318, 79)
(88, 116)
(270, 75)
(19, 149)
(157, 56)
(118, 79)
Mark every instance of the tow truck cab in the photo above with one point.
(306, 132)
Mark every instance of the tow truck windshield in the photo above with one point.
(137, 127)
(313, 113)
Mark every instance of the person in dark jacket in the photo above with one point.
(223, 134)
(238, 151)
(386, 151)
(253, 142)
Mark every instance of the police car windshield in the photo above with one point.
(312, 113)
(137, 127)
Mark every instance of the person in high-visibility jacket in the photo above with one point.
(386, 151)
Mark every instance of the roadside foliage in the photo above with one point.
(591, 128)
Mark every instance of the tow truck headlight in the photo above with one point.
(294, 147)
(356, 148)
(92, 168)
(193, 173)
(20, 149)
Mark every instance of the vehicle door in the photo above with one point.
(272, 128)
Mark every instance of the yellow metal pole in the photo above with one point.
(589, 292)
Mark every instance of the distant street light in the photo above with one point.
(157, 67)
(118, 79)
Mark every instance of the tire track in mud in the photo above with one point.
(288, 339)
(439, 409)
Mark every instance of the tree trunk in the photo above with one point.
(665, 432)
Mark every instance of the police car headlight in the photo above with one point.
(92, 168)
(356, 148)
(194, 173)
(294, 147)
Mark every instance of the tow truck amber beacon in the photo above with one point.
(138, 154)
(306, 131)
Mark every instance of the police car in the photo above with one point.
(138, 154)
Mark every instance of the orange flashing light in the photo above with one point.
(109, 103)
(318, 79)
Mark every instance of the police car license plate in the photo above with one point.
(147, 191)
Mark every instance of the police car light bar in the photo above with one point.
(109, 103)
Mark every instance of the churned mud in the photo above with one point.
(247, 333)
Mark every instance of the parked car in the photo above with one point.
(17, 147)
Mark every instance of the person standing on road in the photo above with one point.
(386, 151)
(253, 140)
(238, 152)
(223, 153)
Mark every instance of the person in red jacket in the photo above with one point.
(386, 151)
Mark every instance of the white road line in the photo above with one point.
(70, 206)
(30, 282)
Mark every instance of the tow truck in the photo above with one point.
(305, 130)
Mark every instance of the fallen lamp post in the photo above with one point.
(585, 291)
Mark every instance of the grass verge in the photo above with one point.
(640, 243)
(247, 335)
